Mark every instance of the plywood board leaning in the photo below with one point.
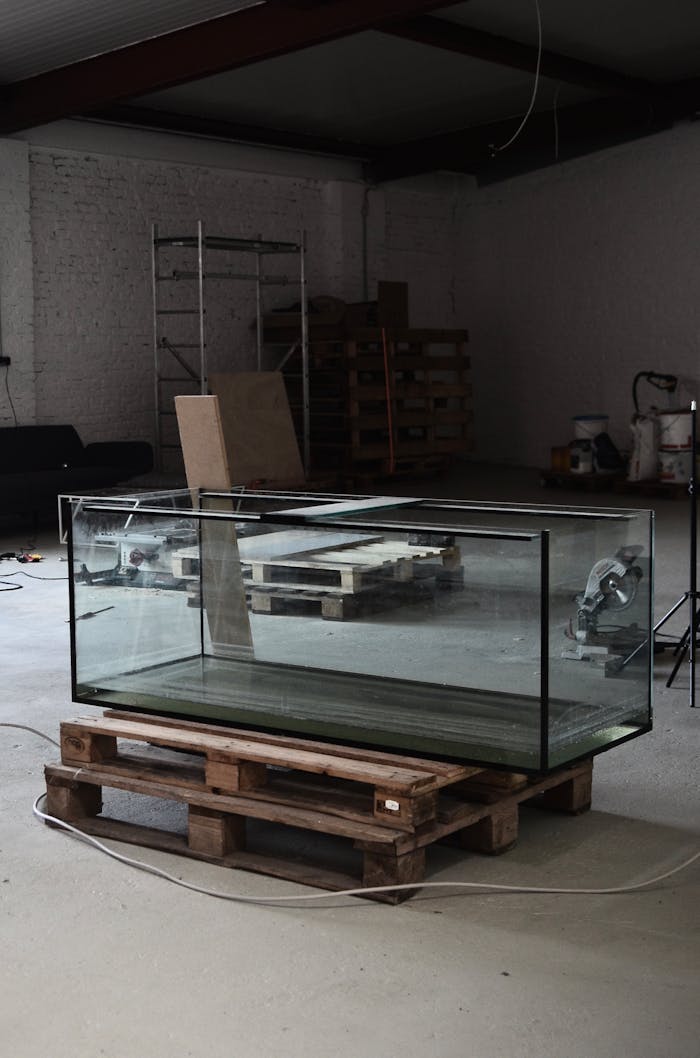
(259, 438)
(202, 440)
(206, 466)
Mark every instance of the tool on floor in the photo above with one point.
(91, 613)
(611, 586)
(140, 559)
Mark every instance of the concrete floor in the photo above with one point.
(100, 959)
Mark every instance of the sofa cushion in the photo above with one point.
(27, 448)
(37, 463)
(40, 490)
(132, 457)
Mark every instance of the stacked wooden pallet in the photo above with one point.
(387, 402)
(340, 582)
(344, 582)
(390, 809)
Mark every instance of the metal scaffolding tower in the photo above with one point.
(180, 366)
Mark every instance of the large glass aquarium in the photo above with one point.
(511, 636)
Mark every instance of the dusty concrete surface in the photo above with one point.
(100, 959)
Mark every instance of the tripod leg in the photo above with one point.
(693, 641)
(682, 644)
(664, 619)
(681, 650)
(682, 647)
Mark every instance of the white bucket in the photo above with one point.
(581, 457)
(586, 427)
(675, 465)
(675, 430)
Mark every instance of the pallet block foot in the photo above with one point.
(79, 747)
(214, 833)
(71, 801)
(391, 868)
(227, 777)
(573, 796)
(494, 834)
(408, 812)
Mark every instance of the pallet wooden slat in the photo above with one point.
(64, 776)
(449, 773)
(410, 390)
(79, 738)
(358, 569)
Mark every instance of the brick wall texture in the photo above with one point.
(570, 280)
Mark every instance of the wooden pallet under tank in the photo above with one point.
(387, 809)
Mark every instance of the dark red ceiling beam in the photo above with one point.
(452, 36)
(225, 43)
(580, 129)
(231, 131)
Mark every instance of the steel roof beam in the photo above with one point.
(580, 129)
(231, 131)
(225, 43)
(465, 40)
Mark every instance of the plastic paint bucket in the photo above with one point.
(586, 427)
(643, 464)
(675, 430)
(581, 457)
(674, 465)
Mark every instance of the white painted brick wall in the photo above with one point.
(423, 248)
(572, 280)
(91, 219)
(16, 286)
(569, 280)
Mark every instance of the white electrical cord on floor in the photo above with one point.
(25, 727)
(360, 891)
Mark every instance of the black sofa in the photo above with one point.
(37, 463)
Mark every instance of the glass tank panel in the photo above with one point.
(511, 636)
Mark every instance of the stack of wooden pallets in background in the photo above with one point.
(384, 398)
(338, 581)
(387, 402)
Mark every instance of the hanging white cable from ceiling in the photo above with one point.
(493, 148)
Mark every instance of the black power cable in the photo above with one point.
(9, 395)
(667, 382)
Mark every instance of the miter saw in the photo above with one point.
(611, 586)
